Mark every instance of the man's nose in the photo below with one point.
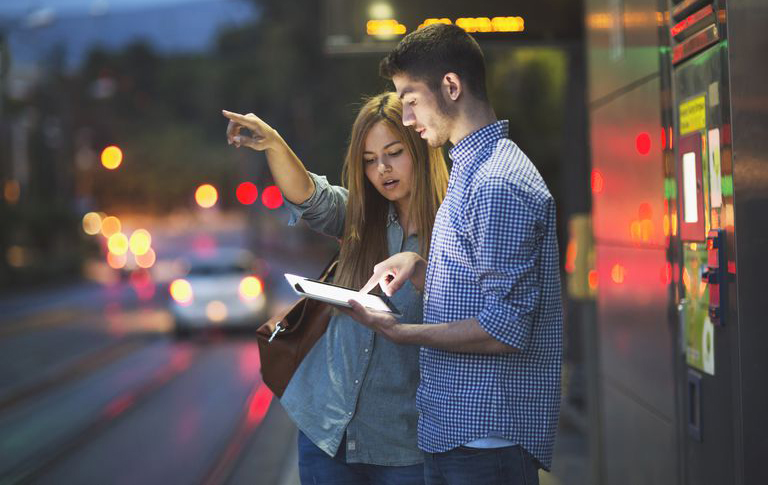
(408, 117)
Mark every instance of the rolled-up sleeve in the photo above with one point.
(504, 233)
(325, 209)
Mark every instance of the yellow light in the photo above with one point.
(617, 273)
(146, 260)
(665, 224)
(250, 288)
(646, 231)
(635, 230)
(435, 21)
(17, 256)
(384, 27)
(118, 243)
(12, 191)
(216, 311)
(508, 24)
(110, 225)
(111, 157)
(92, 223)
(475, 24)
(181, 291)
(206, 196)
(116, 261)
(140, 241)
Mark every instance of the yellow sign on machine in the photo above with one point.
(693, 115)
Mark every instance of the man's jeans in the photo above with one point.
(511, 465)
(317, 468)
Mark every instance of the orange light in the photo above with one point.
(665, 224)
(385, 27)
(216, 311)
(140, 241)
(110, 225)
(146, 259)
(111, 157)
(181, 291)
(592, 278)
(666, 273)
(12, 191)
(570, 256)
(206, 196)
(116, 261)
(435, 21)
(618, 273)
(646, 230)
(250, 288)
(635, 231)
(118, 243)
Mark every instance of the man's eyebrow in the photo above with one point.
(405, 91)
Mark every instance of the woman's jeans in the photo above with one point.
(317, 468)
(511, 465)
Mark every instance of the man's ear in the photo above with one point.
(452, 86)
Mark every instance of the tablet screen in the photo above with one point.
(337, 294)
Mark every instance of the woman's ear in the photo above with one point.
(452, 86)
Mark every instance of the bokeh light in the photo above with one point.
(140, 241)
(92, 223)
(116, 261)
(111, 157)
(247, 193)
(146, 259)
(250, 288)
(271, 197)
(206, 196)
(110, 225)
(216, 311)
(643, 143)
(181, 291)
(118, 243)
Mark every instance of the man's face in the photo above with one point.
(423, 111)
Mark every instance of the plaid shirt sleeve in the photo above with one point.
(504, 235)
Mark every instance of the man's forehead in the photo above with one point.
(405, 84)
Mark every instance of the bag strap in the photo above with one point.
(330, 268)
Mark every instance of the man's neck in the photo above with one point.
(471, 117)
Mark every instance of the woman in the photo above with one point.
(353, 396)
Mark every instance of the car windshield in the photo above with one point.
(216, 269)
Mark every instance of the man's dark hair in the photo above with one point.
(427, 54)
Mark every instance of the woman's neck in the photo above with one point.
(403, 215)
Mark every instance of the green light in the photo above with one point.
(727, 185)
(670, 188)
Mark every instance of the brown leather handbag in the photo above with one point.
(286, 338)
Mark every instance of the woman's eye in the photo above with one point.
(396, 153)
(368, 160)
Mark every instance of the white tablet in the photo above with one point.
(339, 295)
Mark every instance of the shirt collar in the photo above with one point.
(392, 216)
(468, 147)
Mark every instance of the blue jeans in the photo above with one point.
(511, 465)
(317, 468)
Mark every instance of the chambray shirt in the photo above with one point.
(354, 380)
(494, 257)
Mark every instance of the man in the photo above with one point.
(491, 344)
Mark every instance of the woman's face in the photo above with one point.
(388, 165)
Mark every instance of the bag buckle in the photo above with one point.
(278, 328)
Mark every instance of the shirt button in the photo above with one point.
(349, 413)
(366, 350)
(357, 382)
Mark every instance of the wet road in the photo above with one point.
(94, 390)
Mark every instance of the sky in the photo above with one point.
(21, 7)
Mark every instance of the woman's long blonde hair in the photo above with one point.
(364, 243)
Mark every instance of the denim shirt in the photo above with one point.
(354, 380)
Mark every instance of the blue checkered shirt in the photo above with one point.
(494, 257)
